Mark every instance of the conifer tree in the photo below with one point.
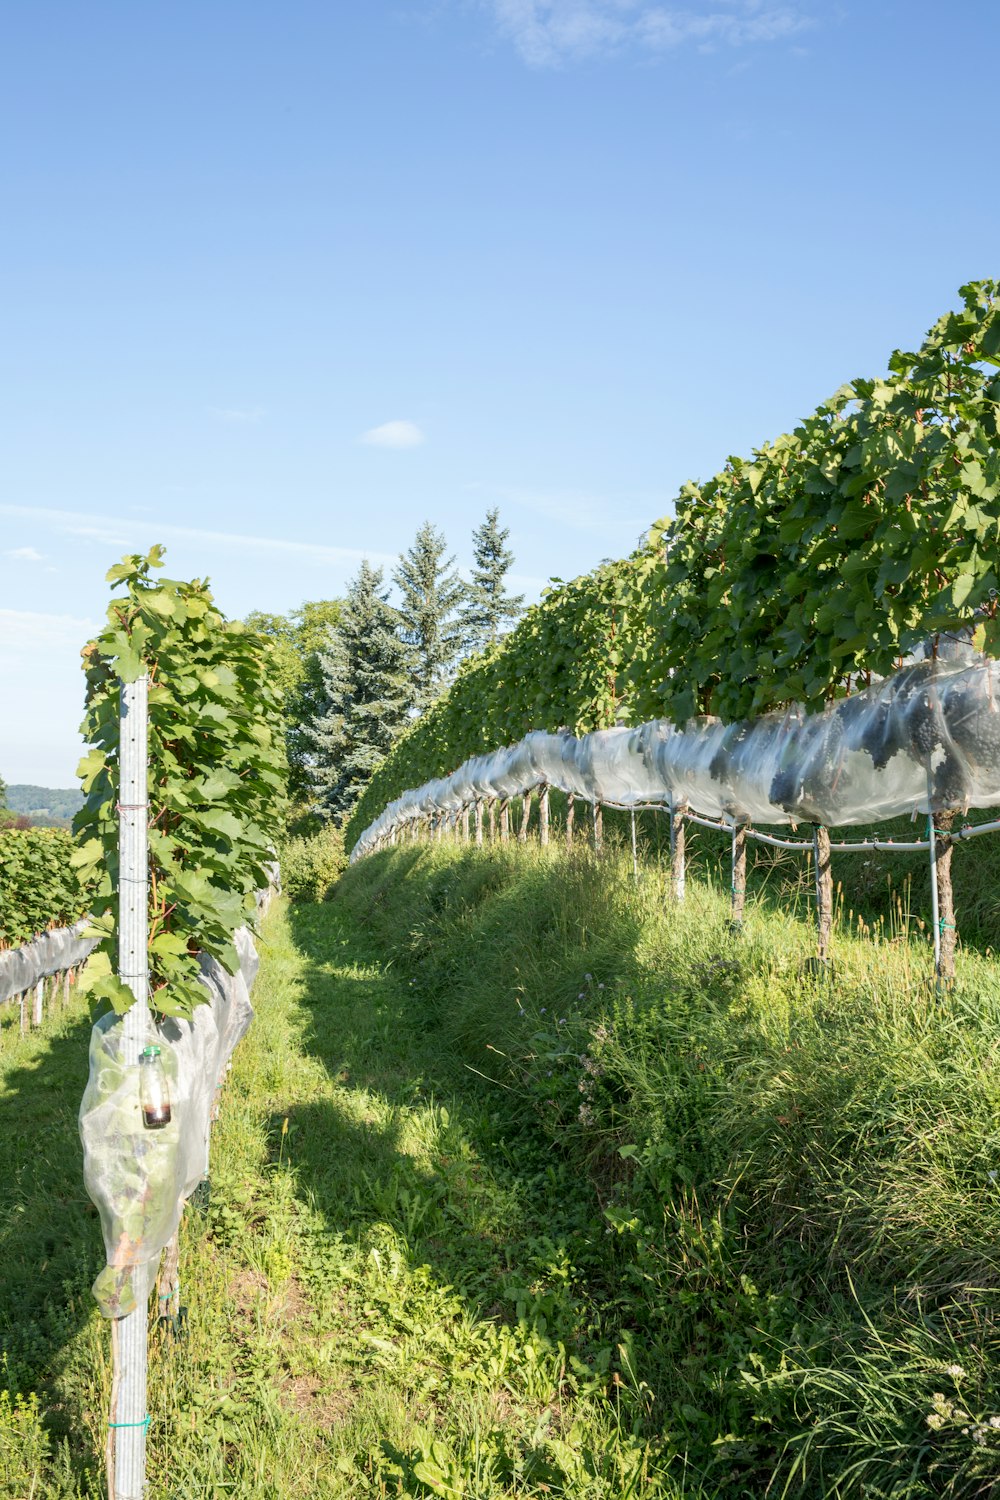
(432, 593)
(366, 695)
(489, 607)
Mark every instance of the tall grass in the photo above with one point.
(798, 1180)
(529, 1182)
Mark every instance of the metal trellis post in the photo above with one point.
(127, 1476)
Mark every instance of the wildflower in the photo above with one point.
(588, 977)
(542, 1012)
(580, 996)
(600, 986)
(956, 1372)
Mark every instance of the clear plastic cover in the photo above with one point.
(50, 953)
(139, 1178)
(926, 738)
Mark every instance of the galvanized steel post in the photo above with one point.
(127, 1476)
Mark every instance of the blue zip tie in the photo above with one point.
(144, 1423)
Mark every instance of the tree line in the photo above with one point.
(353, 673)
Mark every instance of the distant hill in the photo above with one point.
(54, 806)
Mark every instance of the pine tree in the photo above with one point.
(489, 607)
(366, 695)
(432, 593)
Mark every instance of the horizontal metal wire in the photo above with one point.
(861, 846)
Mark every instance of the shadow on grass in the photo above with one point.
(50, 1236)
(433, 1134)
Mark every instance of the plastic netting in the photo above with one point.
(926, 738)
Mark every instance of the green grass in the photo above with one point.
(375, 1304)
(580, 1194)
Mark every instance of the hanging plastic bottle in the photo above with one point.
(154, 1095)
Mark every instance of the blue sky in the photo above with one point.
(283, 281)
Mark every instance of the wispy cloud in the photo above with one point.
(24, 554)
(579, 510)
(140, 533)
(237, 416)
(550, 32)
(394, 435)
(24, 628)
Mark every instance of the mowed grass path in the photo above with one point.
(377, 1290)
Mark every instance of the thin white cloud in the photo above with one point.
(24, 554)
(140, 533)
(579, 510)
(238, 416)
(393, 435)
(21, 628)
(550, 32)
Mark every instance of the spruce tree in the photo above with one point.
(432, 593)
(366, 695)
(489, 606)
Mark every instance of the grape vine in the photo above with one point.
(793, 575)
(216, 776)
(39, 889)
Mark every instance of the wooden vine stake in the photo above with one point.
(479, 823)
(739, 881)
(635, 851)
(522, 832)
(465, 825)
(824, 891)
(570, 807)
(543, 814)
(942, 896)
(168, 1283)
(126, 1446)
(504, 819)
(678, 849)
(598, 828)
(493, 820)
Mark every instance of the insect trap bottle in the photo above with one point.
(154, 1095)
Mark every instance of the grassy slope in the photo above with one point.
(576, 1186)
